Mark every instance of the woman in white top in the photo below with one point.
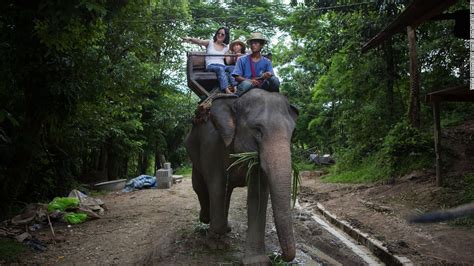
(217, 46)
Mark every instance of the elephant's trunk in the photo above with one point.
(275, 158)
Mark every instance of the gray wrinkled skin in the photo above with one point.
(257, 121)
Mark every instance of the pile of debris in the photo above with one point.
(74, 209)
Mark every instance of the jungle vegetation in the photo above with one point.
(96, 90)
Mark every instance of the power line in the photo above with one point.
(339, 6)
(240, 16)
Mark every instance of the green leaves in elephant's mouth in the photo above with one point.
(251, 160)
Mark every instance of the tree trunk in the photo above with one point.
(414, 108)
(112, 165)
(159, 159)
(390, 79)
(102, 169)
(143, 162)
(158, 164)
(124, 168)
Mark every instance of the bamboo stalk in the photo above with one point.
(51, 227)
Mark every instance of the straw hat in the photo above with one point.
(256, 36)
(234, 43)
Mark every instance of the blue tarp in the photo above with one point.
(139, 182)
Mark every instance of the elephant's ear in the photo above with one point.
(222, 116)
(294, 112)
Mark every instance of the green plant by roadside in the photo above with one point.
(305, 165)
(276, 260)
(185, 170)
(467, 196)
(96, 193)
(11, 250)
(201, 228)
(366, 172)
(405, 148)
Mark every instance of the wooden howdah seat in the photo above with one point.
(200, 81)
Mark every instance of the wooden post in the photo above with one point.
(437, 141)
(414, 108)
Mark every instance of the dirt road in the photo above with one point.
(380, 210)
(159, 226)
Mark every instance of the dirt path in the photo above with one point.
(160, 227)
(381, 211)
(134, 225)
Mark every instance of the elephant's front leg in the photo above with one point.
(218, 214)
(257, 200)
(218, 208)
(200, 188)
(228, 196)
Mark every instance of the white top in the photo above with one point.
(212, 50)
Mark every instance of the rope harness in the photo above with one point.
(203, 111)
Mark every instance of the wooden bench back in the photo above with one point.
(197, 60)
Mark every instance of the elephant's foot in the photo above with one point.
(221, 230)
(204, 217)
(256, 260)
(216, 242)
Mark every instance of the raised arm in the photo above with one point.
(197, 41)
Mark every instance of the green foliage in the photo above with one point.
(94, 90)
(75, 218)
(468, 194)
(201, 228)
(89, 92)
(405, 148)
(295, 182)
(304, 166)
(11, 250)
(62, 204)
(368, 171)
(185, 170)
(249, 160)
(349, 102)
(277, 260)
(97, 193)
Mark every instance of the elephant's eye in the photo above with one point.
(257, 132)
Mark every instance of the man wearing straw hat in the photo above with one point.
(254, 70)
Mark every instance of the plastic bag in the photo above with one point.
(75, 218)
(62, 204)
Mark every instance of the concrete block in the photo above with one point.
(164, 178)
(165, 184)
(177, 179)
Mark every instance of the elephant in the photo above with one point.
(257, 121)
